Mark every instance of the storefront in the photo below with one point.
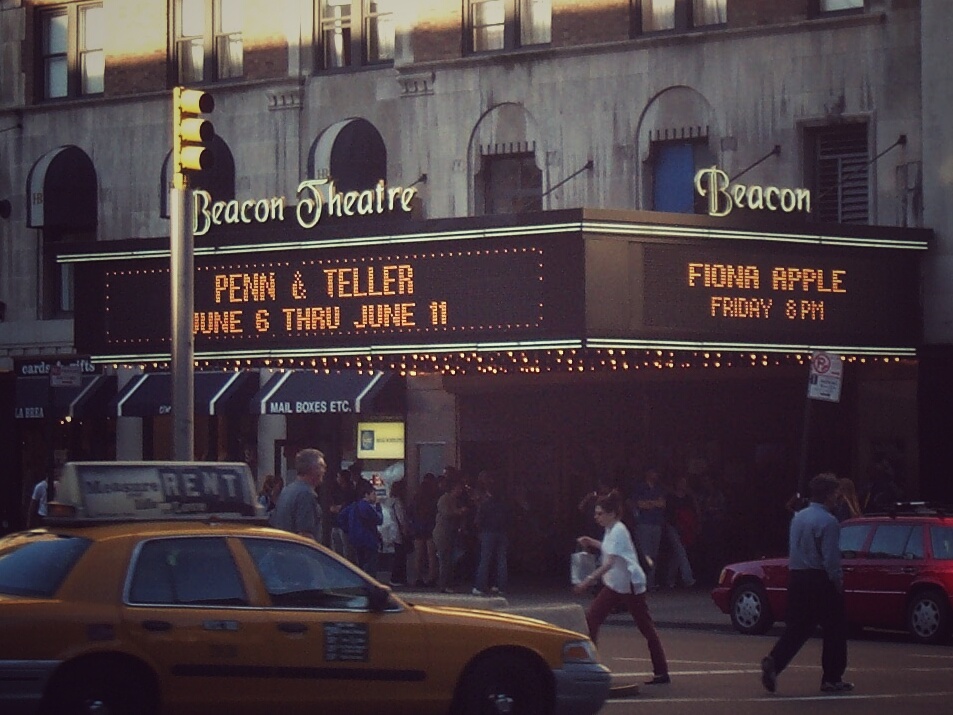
(554, 346)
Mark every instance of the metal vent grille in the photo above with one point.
(843, 174)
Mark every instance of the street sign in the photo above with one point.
(66, 376)
(827, 372)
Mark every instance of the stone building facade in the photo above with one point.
(491, 107)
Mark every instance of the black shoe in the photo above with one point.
(769, 675)
(659, 680)
(840, 686)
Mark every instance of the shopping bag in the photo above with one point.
(582, 564)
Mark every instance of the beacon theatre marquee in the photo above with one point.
(571, 278)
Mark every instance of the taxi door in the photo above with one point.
(186, 607)
(332, 652)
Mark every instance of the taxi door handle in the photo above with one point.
(157, 626)
(292, 627)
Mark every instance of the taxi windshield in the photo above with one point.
(36, 565)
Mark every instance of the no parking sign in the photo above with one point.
(827, 372)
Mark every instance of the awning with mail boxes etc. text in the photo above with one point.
(300, 392)
(216, 393)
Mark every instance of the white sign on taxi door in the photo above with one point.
(827, 372)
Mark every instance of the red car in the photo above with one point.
(898, 574)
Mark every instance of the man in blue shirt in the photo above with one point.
(815, 590)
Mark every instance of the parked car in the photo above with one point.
(898, 574)
(156, 588)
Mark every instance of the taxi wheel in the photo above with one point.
(928, 616)
(502, 684)
(750, 610)
(104, 688)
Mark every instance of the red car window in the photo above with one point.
(941, 538)
(897, 541)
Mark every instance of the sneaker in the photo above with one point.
(659, 680)
(769, 675)
(495, 591)
(840, 686)
(448, 590)
(477, 592)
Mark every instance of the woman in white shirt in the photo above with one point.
(623, 582)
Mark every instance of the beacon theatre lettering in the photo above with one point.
(724, 196)
(316, 198)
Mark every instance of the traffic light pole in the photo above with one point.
(183, 344)
(190, 153)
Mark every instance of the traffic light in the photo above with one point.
(190, 133)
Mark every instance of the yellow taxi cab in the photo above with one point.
(156, 587)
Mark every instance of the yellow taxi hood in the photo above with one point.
(498, 619)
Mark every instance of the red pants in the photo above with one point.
(603, 604)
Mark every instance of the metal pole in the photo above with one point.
(805, 446)
(183, 347)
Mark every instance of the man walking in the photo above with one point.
(815, 590)
(298, 509)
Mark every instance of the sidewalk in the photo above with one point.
(556, 603)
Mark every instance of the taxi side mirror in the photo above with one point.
(378, 597)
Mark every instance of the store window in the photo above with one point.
(677, 15)
(510, 183)
(837, 162)
(506, 24)
(71, 57)
(353, 33)
(673, 165)
(209, 44)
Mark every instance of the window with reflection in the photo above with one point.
(209, 43)
(299, 576)
(507, 24)
(840, 5)
(70, 53)
(354, 33)
(678, 15)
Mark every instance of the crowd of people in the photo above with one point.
(451, 533)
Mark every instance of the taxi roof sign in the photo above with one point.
(136, 491)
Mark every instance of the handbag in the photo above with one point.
(582, 565)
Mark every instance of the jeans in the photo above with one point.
(678, 564)
(603, 604)
(493, 545)
(650, 538)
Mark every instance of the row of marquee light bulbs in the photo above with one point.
(461, 363)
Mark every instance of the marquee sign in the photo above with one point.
(315, 300)
(757, 293)
(464, 285)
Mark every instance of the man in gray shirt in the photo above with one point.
(298, 509)
(815, 590)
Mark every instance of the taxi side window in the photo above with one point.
(298, 576)
(189, 571)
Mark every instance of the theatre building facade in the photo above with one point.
(558, 240)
